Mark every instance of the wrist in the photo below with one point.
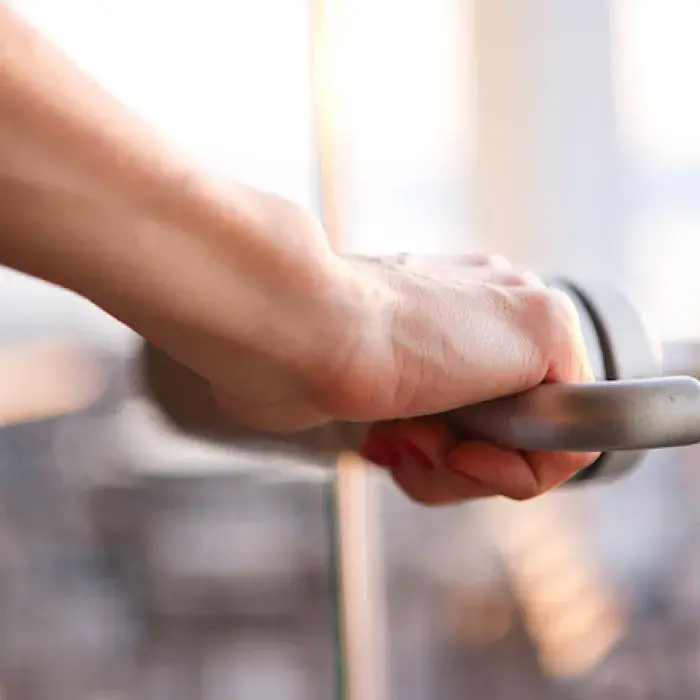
(239, 265)
(355, 345)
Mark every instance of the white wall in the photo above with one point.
(658, 104)
(546, 152)
(406, 77)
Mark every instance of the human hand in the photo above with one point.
(464, 330)
(434, 334)
(290, 336)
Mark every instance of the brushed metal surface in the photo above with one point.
(615, 415)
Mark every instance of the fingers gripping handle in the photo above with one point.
(627, 412)
(606, 416)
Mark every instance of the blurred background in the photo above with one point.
(136, 563)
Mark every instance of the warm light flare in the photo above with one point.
(46, 379)
(572, 613)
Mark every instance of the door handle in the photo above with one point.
(629, 410)
(637, 414)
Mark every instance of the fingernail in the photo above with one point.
(382, 451)
(417, 455)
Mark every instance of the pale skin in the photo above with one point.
(242, 286)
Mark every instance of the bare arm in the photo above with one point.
(93, 200)
(242, 288)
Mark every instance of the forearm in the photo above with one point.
(93, 200)
(70, 153)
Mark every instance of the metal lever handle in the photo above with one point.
(606, 416)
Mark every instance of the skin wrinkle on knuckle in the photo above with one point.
(514, 279)
(533, 279)
(480, 259)
(498, 261)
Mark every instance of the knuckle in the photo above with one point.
(541, 310)
(519, 279)
(546, 326)
(532, 279)
(475, 259)
(544, 302)
(567, 309)
(551, 311)
(490, 260)
(498, 262)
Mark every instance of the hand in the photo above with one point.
(433, 334)
(463, 330)
(290, 336)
